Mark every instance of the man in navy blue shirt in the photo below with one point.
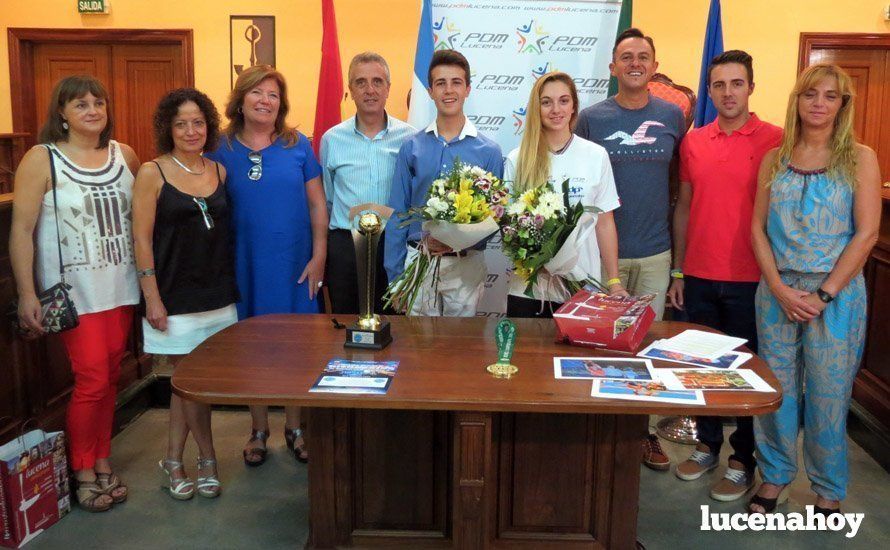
(423, 158)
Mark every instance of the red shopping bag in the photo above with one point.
(33, 486)
(597, 320)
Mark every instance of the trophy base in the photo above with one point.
(357, 337)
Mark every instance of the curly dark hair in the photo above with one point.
(167, 109)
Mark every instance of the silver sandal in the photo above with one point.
(208, 486)
(179, 489)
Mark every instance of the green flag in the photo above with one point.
(624, 22)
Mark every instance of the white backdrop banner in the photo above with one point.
(509, 44)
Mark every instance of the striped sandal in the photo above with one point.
(113, 486)
(89, 497)
(208, 486)
(179, 488)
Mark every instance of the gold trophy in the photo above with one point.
(369, 332)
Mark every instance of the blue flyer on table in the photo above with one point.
(356, 377)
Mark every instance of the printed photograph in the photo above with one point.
(729, 360)
(602, 368)
(645, 391)
(710, 379)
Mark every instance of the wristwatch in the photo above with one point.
(824, 296)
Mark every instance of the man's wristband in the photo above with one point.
(613, 281)
(676, 274)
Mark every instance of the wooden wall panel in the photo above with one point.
(556, 494)
(141, 76)
(401, 470)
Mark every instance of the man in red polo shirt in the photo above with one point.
(715, 274)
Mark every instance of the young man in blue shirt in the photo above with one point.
(423, 158)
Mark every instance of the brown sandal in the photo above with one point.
(112, 485)
(88, 495)
(291, 435)
(255, 456)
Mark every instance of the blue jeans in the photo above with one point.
(729, 308)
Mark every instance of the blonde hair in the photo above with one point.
(249, 79)
(842, 162)
(533, 165)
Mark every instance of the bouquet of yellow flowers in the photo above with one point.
(543, 233)
(462, 208)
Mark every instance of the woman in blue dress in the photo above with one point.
(816, 218)
(279, 218)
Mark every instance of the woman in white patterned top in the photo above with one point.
(93, 177)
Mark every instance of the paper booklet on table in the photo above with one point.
(702, 344)
(356, 377)
(731, 360)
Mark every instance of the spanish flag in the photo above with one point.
(330, 78)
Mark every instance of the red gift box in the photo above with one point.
(597, 320)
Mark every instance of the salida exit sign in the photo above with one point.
(92, 6)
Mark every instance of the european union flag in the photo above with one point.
(705, 111)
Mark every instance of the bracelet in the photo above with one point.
(145, 272)
(676, 274)
(613, 281)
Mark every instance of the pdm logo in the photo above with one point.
(490, 123)
(541, 70)
(445, 35)
(519, 121)
(590, 86)
(573, 44)
(532, 37)
(484, 40)
(499, 82)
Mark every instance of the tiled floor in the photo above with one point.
(267, 507)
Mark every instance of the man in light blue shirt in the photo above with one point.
(358, 158)
(423, 158)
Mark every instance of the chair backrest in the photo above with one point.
(663, 87)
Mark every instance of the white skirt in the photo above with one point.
(185, 331)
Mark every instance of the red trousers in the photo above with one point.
(95, 350)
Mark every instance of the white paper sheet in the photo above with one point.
(702, 344)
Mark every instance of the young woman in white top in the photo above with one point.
(94, 187)
(549, 152)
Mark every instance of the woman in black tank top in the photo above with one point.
(185, 264)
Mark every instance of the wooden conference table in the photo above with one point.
(450, 456)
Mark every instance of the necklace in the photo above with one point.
(562, 149)
(186, 168)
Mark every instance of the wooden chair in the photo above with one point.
(663, 87)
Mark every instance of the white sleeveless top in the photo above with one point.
(95, 230)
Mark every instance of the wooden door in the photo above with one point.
(136, 77)
(866, 57)
(867, 60)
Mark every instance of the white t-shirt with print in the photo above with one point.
(586, 165)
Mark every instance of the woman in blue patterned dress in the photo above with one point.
(279, 218)
(816, 218)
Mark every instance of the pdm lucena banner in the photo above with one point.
(509, 44)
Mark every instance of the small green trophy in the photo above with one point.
(505, 337)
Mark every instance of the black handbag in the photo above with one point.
(59, 313)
